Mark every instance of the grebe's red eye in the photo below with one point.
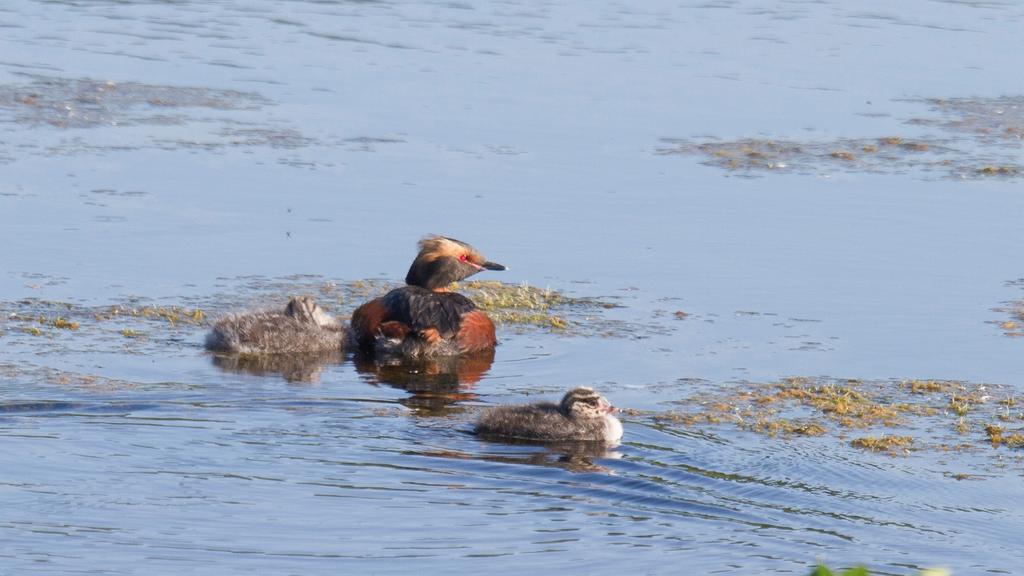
(462, 258)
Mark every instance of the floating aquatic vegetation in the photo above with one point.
(66, 326)
(889, 443)
(786, 427)
(527, 307)
(999, 436)
(1004, 170)
(64, 323)
(519, 304)
(172, 314)
(1014, 326)
(888, 155)
(929, 386)
(927, 412)
(982, 140)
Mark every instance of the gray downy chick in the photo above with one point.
(582, 415)
(303, 326)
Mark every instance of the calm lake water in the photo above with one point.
(219, 155)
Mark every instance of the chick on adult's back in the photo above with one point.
(424, 318)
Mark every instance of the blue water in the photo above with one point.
(203, 153)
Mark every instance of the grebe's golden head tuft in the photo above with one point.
(442, 260)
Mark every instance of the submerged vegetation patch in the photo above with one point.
(62, 378)
(998, 120)
(982, 140)
(87, 103)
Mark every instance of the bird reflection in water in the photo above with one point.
(435, 384)
(296, 368)
(571, 456)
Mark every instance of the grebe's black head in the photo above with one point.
(442, 261)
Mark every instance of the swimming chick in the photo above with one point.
(582, 415)
(303, 326)
(424, 318)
